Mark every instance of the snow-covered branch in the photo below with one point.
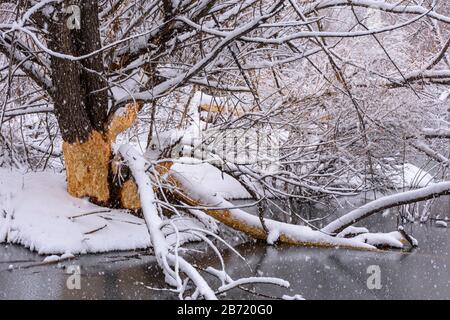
(380, 5)
(436, 133)
(383, 203)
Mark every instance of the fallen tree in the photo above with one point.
(168, 256)
(250, 224)
(180, 188)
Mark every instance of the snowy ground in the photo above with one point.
(42, 216)
(38, 213)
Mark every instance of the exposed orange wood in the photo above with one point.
(88, 163)
(87, 166)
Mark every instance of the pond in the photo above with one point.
(423, 273)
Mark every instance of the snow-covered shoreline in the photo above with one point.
(40, 215)
(37, 212)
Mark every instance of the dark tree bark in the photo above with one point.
(93, 84)
(81, 105)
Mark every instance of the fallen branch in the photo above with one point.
(423, 147)
(381, 204)
(441, 133)
(161, 248)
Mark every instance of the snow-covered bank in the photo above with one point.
(37, 212)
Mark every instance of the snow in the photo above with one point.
(410, 176)
(37, 212)
(127, 87)
(52, 258)
(67, 256)
(444, 95)
(392, 239)
(351, 230)
(206, 174)
(273, 236)
(441, 223)
(414, 241)
(294, 297)
(440, 132)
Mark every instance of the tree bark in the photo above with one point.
(81, 106)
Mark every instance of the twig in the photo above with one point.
(95, 230)
(88, 214)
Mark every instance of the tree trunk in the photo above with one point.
(81, 105)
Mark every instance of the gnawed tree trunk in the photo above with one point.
(81, 106)
(87, 168)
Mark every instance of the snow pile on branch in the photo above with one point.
(207, 175)
(251, 224)
(392, 239)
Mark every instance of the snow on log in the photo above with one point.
(199, 196)
(88, 162)
(425, 148)
(432, 191)
(442, 133)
